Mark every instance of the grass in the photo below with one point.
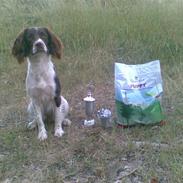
(95, 33)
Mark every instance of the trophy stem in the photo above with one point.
(89, 109)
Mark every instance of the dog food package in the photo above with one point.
(138, 90)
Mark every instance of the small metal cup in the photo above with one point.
(105, 117)
(106, 122)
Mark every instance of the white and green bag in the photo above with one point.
(138, 89)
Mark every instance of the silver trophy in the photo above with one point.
(89, 107)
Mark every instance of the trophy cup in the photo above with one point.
(89, 107)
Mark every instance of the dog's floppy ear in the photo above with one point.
(55, 45)
(18, 50)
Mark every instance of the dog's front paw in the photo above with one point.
(42, 135)
(31, 125)
(59, 132)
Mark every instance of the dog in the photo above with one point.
(38, 45)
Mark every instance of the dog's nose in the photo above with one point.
(39, 45)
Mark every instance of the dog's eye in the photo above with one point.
(30, 36)
(42, 35)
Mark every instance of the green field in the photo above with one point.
(95, 34)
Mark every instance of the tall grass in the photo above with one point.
(96, 32)
(149, 29)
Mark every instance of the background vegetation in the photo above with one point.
(95, 34)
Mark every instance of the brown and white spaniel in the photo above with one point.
(37, 45)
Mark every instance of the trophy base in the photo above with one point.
(89, 122)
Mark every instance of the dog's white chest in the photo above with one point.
(41, 89)
(40, 82)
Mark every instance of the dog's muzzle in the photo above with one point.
(39, 46)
